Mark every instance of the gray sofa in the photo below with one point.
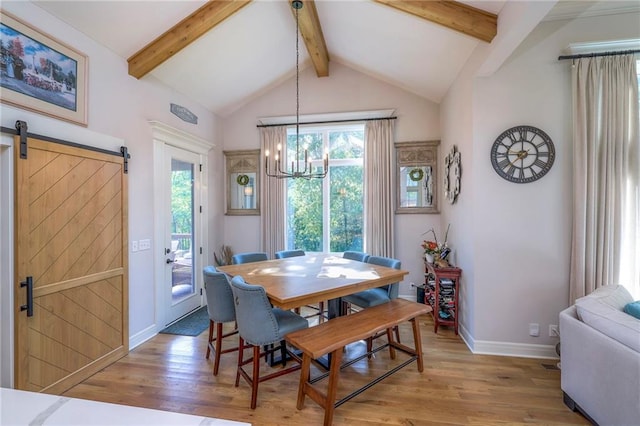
(600, 358)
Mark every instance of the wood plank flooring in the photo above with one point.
(456, 388)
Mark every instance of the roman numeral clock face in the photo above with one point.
(522, 154)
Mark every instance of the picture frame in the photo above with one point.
(41, 74)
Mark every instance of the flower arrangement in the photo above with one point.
(432, 247)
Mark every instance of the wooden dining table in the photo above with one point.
(297, 281)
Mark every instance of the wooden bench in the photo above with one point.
(332, 336)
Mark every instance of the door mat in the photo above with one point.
(191, 325)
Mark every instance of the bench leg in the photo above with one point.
(332, 389)
(418, 342)
(304, 377)
(392, 351)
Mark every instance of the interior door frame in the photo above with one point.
(6, 260)
(164, 135)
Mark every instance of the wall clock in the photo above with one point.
(522, 154)
(452, 170)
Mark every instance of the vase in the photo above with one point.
(428, 257)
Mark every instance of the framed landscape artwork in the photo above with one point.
(41, 74)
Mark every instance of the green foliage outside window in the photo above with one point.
(305, 225)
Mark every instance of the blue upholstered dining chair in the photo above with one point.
(249, 257)
(355, 255)
(221, 310)
(261, 325)
(289, 253)
(376, 296)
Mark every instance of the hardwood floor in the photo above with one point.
(456, 388)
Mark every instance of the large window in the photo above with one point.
(325, 215)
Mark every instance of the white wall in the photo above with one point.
(119, 108)
(345, 90)
(517, 243)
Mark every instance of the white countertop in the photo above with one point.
(31, 408)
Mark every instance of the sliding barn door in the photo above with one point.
(71, 307)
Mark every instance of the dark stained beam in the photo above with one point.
(311, 32)
(457, 16)
(182, 34)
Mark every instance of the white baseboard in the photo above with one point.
(522, 350)
(142, 336)
(485, 347)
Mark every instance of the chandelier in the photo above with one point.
(296, 170)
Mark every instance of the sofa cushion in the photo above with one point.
(603, 310)
(633, 309)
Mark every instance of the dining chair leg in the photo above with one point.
(210, 339)
(240, 359)
(218, 349)
(283, 353)
(369, 346)
(255, 379)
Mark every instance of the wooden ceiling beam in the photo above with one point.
(181, 35)
(457, 16)
(311, 32)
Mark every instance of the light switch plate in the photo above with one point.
(145, 244)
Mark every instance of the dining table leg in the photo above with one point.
(335, 308)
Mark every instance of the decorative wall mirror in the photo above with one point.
(243, 190)
(417, 177)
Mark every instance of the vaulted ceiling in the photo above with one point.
(225, 53)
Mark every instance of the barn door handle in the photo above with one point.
(29, 306)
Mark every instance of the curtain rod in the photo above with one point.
(327, 122)
(592, 55)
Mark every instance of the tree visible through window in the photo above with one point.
(326, 215)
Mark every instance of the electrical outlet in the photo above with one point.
(534, 329)
(134, 246)
(553, 330)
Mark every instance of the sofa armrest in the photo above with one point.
(600, 374)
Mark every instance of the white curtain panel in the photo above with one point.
(378, 188)
(273, 193)
(606, 168)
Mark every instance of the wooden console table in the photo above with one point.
(447, 303)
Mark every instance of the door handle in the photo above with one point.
(29, 306)
(169, 261)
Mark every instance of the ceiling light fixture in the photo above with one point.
(296, 170)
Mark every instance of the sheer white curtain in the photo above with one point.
(606, 148)
(273, 194)
(378, 188)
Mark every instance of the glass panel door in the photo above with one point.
(182, 220)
